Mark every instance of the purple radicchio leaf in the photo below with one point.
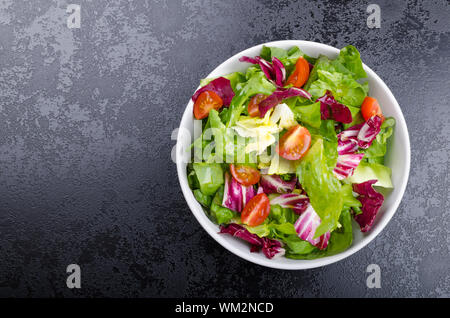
(235, 195)
(346, 165)
(371, 201)
(272, 183)
(297, 202)
(221, 86)
(278, 96)
(369, 131)
(270, 248)
(331, 109)
(266, 67)
(306, 226)
(280, 71)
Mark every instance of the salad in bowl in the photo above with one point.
(289, 153)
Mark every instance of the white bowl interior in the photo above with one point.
(397, 158)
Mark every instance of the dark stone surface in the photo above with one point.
(86, 119)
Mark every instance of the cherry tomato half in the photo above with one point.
(370, 107)
(256, 210)
(300, 75)
(205, 102)
(294, 143)
(253, 105)
(245, 175)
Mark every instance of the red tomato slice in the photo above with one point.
(370, 107)
(300, 75)
(245, 175)
(294, 143)
(205, 102)
(256, 210)
(253, 105)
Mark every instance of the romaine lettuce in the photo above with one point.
(349, 201)
(330, 142)
(323, 189)
(370, 171)
(209, 175)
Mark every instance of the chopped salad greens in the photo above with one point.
(290, 152)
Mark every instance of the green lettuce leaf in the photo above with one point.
(330, 142)
(348, 62)
(281, 215)
(287, 57)
(267, 52)
(257, 83)
(228, 146)
(221, 138)
(220, 214)
(327, 133)
(323, 189)
(349, 201)
(261, 230)
(278, 224)
(351, 59)
(340, 240)
(192, 178)
(308, 114)
(372, 171)
(296, 247)
(344, 87)
(377, 150)
(204, 199)
(357, 117)
(323, 63)
(209, 176)
(235, 78)
(273, 230)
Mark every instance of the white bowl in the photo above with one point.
(397, 158)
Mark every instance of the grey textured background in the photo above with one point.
(86, 117)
